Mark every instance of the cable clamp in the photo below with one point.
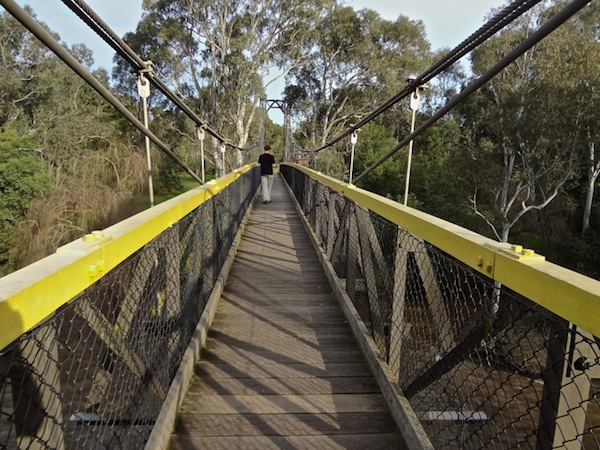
(200, 132)
(142, 82)
(150, 69)
(143, 86)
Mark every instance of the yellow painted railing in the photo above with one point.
(568, 294)
(33, 293)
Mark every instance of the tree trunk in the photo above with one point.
(216, 149)
(593, 172)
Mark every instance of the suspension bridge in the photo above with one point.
(339, 319)
(330, 318)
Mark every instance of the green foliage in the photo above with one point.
(437, 179)
(220, 54)
(533, 124)
(529, 121)
(69, 161)
(169, 180)
(388, 179)
(20, 56)
(184, 184)
(352, 63)
(578, 253)
(23, 180)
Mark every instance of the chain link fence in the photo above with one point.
(94, 375)
(482, 366)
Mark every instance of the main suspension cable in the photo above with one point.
(85, 13)
(553, 23)
(495, 24)
(48, 40)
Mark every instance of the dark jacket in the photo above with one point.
(266, 161)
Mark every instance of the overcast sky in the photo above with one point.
(447, 22)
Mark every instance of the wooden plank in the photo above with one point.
(291, 342)
(298, 354)
(287, 319)
(281, 301)
(281, 367)
(347, 442)
(219, 352)
(247, 386)
(293, 348)
(285, 424)
(296, 332)
(261, 341)
(282, 288)
(284, 404)
(293, 302)
(270, 329)
(280, 316)
(250, 370)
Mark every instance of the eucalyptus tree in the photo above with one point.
(73, 167)
(526, 122)
(20, 55)
(88, 152)
(220, 54)
(357, 59)
(586, 31)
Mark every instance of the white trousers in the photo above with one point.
(267, 184)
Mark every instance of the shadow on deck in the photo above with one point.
(281, 368)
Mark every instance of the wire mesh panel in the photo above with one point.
(94, 375)
(482, 366)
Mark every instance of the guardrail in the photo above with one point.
(91, 337)
(493, 346)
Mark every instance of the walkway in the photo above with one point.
(281, 369)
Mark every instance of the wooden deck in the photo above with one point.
(281, 368)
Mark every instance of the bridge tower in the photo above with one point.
(283, 106)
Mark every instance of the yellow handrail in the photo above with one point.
(568, 294)
(33, 293)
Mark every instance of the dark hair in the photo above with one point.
(267, 148)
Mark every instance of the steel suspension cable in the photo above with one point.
(500, 20)
(85, 13)
(553, 23)
(48, 40)
(495, 24)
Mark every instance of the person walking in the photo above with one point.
(267, 163)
